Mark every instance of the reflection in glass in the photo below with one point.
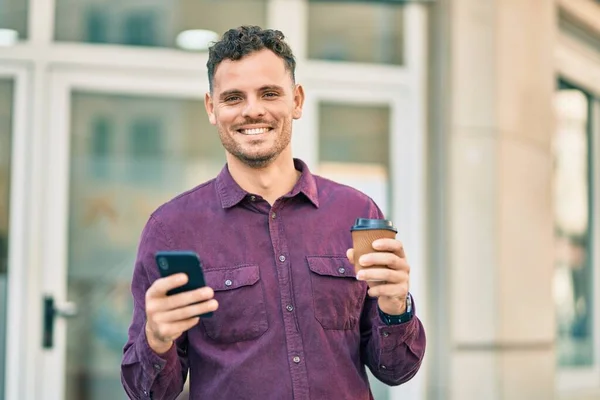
(13, 21)
(366, 32)
(6, 98)
(573, 216)
(152, 23)
(128, 156)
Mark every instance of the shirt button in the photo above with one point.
(342, 270)
(282, 258)
(289, 307)
(383, 367)
(386, 334)
(228, 282)
(252, 198)
(157, 367)
(296, 359)
(273, 215)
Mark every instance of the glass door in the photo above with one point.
(122, 147)
(6, 134)
(354, 150)
(369, 132)
(353, 134)
(13, 164)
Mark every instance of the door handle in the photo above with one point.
(51, 311)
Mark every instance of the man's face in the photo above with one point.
(253, 103)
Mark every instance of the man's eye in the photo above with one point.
(231, 99)
(271, 94)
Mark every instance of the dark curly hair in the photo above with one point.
(239, 42)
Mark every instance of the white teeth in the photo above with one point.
(256, 131)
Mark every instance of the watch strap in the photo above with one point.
(398, 319)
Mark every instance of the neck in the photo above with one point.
(270, 182)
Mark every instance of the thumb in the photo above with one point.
(350, 255)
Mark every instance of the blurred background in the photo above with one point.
(475, 124)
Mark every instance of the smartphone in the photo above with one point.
(187, 262)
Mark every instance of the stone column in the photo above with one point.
(500, 228)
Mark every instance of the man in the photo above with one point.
(291, 319)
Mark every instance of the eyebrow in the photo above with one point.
(228, 93)
(265, 88)
(275, 88)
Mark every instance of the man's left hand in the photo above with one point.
(387, 274)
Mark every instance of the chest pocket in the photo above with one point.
(242, 313)
(337, 295)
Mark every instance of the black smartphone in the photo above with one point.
(187, 262)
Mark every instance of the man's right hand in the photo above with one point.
(167, 317)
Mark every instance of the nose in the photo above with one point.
(253, 109)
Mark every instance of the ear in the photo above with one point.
(210, 108)
(298, 101)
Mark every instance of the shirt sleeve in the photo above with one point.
(393, 353)
(145, 374)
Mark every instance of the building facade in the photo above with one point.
(515, 119)
(474, 125)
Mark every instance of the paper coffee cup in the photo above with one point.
(364, 232)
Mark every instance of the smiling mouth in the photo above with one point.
(254, 131)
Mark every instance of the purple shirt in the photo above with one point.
(293, 322)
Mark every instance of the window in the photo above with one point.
(354, 132)
(354, 147)
(97, 25)
(354, 150)
(137, 137)
(140, 29)
(154, 23)
(13, 21)
(366, 32)
(101, 144)
(145, 149)
(577, 346)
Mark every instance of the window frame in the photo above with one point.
(578, 65)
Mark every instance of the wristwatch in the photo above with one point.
(398, 319)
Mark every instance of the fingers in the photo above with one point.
(167, 317)
(350, 255)
(161, 286)
(386, 275)
(389, 260)
(190, 311)
(389, 290)
(390, 245)
(388, 252)
(158, 291)
(186, 298)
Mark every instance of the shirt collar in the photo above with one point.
(230, 193)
